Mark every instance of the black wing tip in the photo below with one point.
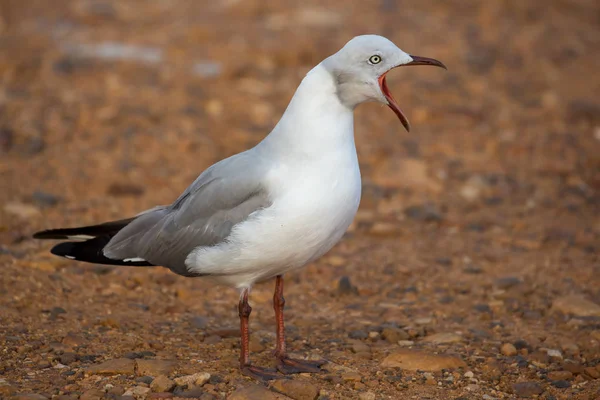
(48, 234)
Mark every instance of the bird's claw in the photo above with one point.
(259, 373)
(287, 365)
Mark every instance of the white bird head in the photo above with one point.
(360, 67)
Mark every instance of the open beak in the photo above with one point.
(388, 95)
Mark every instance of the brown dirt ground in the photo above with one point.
(482, 222)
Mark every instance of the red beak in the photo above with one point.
(388, 95)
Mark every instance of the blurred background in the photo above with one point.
(482, 223)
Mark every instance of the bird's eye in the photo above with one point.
(375, 59)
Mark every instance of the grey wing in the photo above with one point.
(223, 196)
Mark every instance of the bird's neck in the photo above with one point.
(315, 122)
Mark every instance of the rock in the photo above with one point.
(199, 322)
(256, 345)
(144, 379)
(507, 282)
(426, 213)
(345, 287)
(155, 367)
(162, 384)
(443, 338)
(21, 210)
(560, 375)
(116, 366)
(68, 358)
(29, 396)
(351, 376)
(43, 199)
(197, 379)
(592, 372)
(508, 349)
(561, 384)
(367, 396)
(254, 392)
(413, 360)
(527, 389)
(393, 335)
(576, 305)
(360, 347)
(573, 368)
(92, 394)
(555, 355)
(138, 392)
(405, 343)
(297, 390)
(125, 189)
(358, 334)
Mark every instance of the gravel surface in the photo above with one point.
(472, 268)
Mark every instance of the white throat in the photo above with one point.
(315, 122)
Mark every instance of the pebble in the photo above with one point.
(508, 349)
(592, 372)
(155, 367)
(443, 338)
(527, 389)
(576, 305)
(358, 334)
(21, 210)
(413, 360)
(360, 347)
(469, 374)
(560, 375)
(197, 379)
(199, 322)
(29, 396)
(351, 376)
(297, 390)
(507, 282)
(561, 384)
(92, 394)
(393, 335)
(254, 392)
(345, 287)
(116, 366)
(367, 396)
(405, 343)
(137, 392)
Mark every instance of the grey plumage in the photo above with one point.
(204, 215)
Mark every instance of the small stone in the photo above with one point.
(360, 347)
(573, 368)
(256, 345)
(560, 375)
(155, 367)
(351, 376)
(507, 282)
(554, 355)
(561, 384)
(576, 305)
(116, 366)
(443, 338)
(197, 379)
(92, 394)
(254, 392)
(147, 380)
(358, 334)
(413, 360)
(592, 372)
(43, 199)
(29, 396)
(68, 358)
(138, 392)
(405, 343)
(21, 210)
(297, 390)
(393, 335)
(469, 374)
(527, 389)
(367, 396)
(508, 349)
(199, 322)
(345, 287)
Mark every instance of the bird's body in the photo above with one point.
(268, 210)
(314, 191)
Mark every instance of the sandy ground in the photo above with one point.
(473, 262)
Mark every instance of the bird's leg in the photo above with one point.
(247, 369)
(286, 364)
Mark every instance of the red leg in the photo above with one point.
(247, 369)
(285, 364)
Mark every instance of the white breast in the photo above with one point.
(314, 184)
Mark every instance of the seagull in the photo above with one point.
(268, 210)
